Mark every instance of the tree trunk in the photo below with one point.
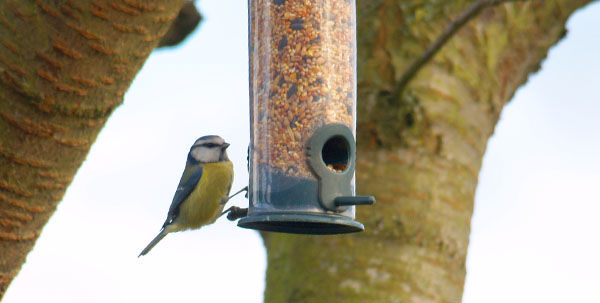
(64, 67)
(419, 150)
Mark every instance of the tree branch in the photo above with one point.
(186, 22)
(471, 12)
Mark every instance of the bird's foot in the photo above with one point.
(235, 213)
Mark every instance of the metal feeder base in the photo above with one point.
(301, 223)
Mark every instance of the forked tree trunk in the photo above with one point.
(419, 151)
(64, 67)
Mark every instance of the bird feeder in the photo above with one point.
(302, 151)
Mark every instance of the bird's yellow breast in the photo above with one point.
(203, 205)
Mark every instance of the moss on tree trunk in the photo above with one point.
(419, 152)
(65, 65)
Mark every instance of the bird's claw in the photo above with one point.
(234, 213)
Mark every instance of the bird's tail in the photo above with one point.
(163, 232)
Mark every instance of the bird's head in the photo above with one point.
(209, 149)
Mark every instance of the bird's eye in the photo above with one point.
(210, 145)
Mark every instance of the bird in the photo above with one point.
(203, 189)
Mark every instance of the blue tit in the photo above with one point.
(203, 189)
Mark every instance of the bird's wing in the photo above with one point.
(183, 191)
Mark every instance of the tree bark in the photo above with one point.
(64, 67)
(419, 152)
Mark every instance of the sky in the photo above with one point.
(534, 234)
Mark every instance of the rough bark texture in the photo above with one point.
(420, 152)
(64, 67)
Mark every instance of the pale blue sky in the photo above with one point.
(534, 232)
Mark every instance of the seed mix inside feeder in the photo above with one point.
(302, 107)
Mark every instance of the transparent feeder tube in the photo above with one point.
(302, 77)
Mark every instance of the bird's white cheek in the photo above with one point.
(196, 154)
(205, 155)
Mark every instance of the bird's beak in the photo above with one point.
(226, 145)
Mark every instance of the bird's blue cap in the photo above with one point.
(208, 137)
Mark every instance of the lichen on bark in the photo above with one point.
(65, 65)
(419, 151)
